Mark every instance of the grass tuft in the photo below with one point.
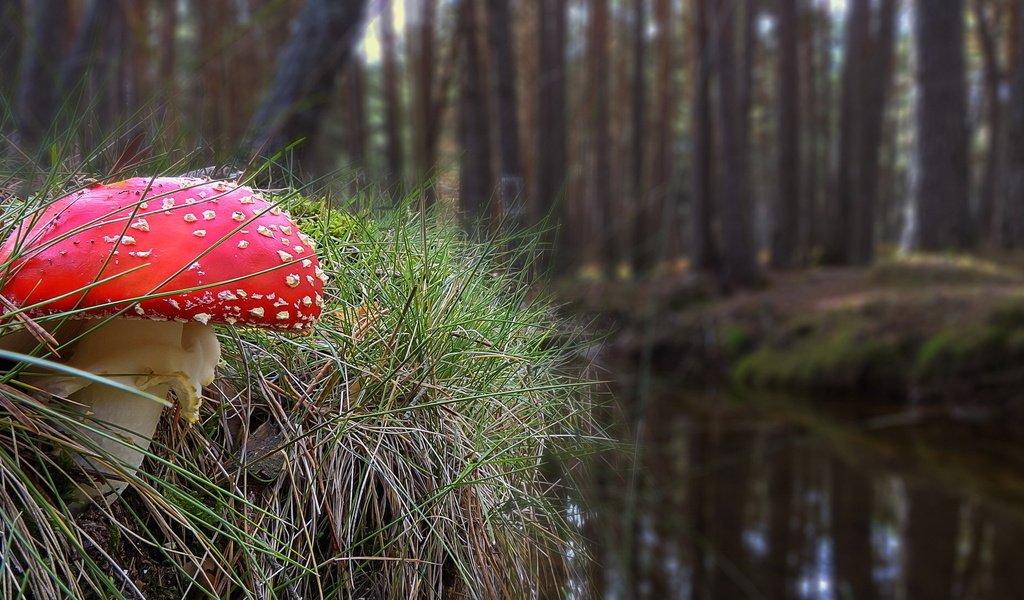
(398, 451)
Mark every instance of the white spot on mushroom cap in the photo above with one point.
(246, 200)
(141, 224)
(292, 279)
(256, 312)
(238, 215)
(199, 233)
(264, 231)
(286, 229)
(285, 257)
(209, 215)
(283, 315)
(168, 203)
(243, 244)
(307, 263)
(227, 295)
(190, 218)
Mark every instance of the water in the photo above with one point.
(718, 497)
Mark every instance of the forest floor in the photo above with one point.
(919, 327)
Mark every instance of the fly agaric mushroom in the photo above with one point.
(160, 260)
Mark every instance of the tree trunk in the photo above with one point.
(942, 194)
(12, 27)
(420, 40)
(597, 227)
(991, 178)
(847, 176)
(319, 46)
(809, 74)
(503, 61)
(661, 237)
(873, 96)
(1013, 202)
(37, 97)
(551, 154)
(703, 252)
(739, 264)
(475, 181)
(167, 72)
(786, 233)
(641, 222)
(353, 91)
(91, 76)
(392, 105)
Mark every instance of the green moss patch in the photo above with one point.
(846, 357)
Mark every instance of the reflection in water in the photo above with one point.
(721, 499)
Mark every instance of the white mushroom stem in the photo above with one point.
(151, 356)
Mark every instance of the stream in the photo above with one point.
(714, 496)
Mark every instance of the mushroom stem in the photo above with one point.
(130, 420)
(152, 356)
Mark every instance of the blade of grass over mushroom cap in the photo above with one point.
(85, 232)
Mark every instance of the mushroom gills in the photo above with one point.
(151, 356)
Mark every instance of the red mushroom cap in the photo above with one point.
(212, 252)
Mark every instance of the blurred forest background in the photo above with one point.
(652, 138)
(730, 135)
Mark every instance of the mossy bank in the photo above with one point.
(923, 327)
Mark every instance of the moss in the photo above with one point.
(736, 341)
(969, 352)
(949, 269)
(845, 358)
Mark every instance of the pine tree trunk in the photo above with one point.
(1013, 201)
(392, 105)
(503, 61)
(12, 27)
(475, 180)
(662, 237)
(841, 227)
(703, 252)
(942, 194)
(739, 265)
(353, 90)
(320, 44)
(551, 152)
(785, 235)
(991, 178)
(421, 60)
(873, 97)
(597, 227)
(37, 94)
(638, 101)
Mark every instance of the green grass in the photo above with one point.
(395, 452)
